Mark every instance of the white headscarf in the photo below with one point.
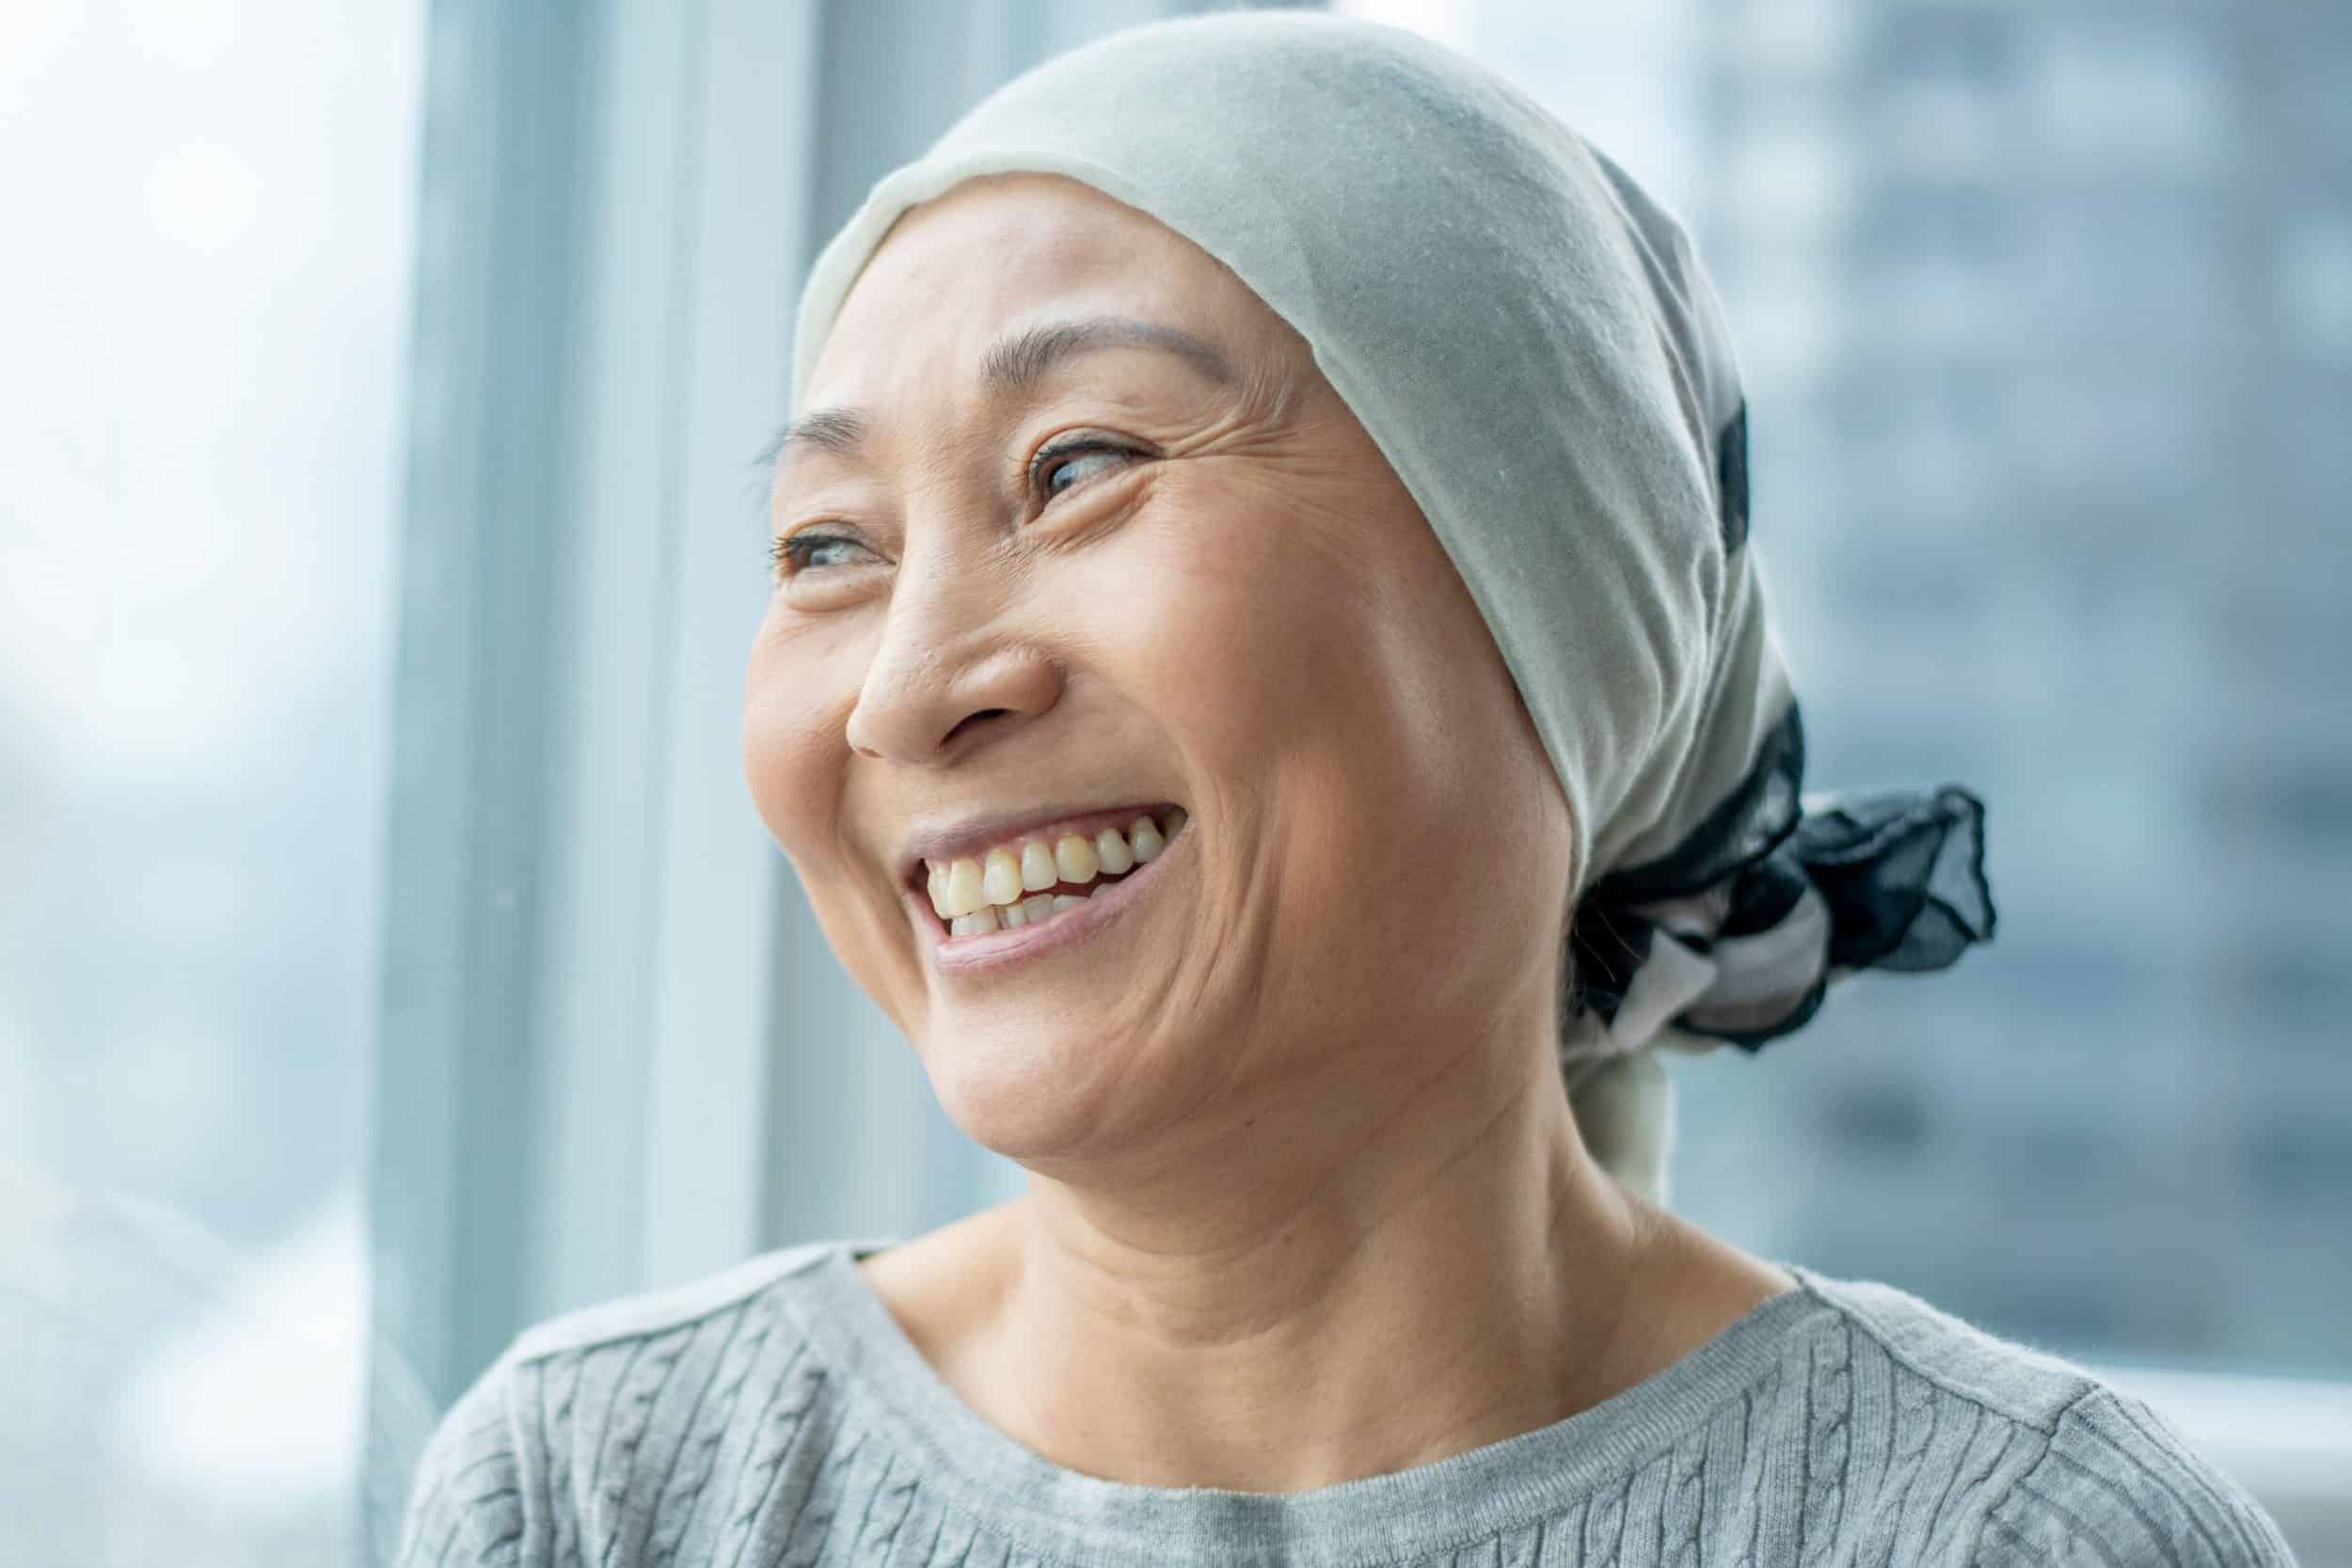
(1531, 342)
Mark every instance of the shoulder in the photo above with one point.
(464, 1502)
(2010, 1381)
(2072, 1469)
(2117, 1484)
(655, 1314)
(565, 1409)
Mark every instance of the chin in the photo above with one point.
(1035, 1099)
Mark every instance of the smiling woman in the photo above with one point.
(1089, 559)
(1266, 484)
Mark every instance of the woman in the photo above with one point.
(1266, 671)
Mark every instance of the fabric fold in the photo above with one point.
(1736, 936)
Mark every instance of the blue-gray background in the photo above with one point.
(378, 551)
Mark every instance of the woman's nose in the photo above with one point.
(952, 670)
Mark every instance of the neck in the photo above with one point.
(1452, 1271)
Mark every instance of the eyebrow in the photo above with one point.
(1010, 364)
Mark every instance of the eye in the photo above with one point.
(1078, 461)
(802, 552)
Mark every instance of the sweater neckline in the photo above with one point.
(1045, 1507)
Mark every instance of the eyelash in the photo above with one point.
(788, 558)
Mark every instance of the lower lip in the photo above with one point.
(990, 950)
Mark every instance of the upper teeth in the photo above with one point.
(1012, 873)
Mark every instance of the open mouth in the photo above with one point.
(1044, 876)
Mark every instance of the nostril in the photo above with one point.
(972, 719)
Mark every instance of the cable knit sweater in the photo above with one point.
(776, 1414)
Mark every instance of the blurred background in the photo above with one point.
(390, 956)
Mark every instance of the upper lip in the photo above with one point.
(948, 838)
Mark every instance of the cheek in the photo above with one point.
(1253, 629)
(794, 740)
(1242, 630)
(1317, 651)
(796, 757)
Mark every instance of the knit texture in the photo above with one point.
(776, 1414)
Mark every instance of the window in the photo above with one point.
(204, 303)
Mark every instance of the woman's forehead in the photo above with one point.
(1009, 253)
(1038, 225)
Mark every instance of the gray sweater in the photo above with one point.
(776, 1414)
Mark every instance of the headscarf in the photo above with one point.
(1530, 340)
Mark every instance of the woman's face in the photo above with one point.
(1074, 525)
